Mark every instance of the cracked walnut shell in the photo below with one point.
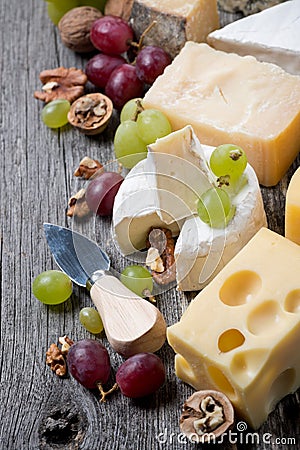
(91, 113)
(206, 415)
(61, 83)
(75, 26)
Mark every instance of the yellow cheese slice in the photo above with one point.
(292, 209)
(176, 21)
(232, 99)
(241, 333)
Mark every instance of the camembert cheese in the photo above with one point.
(272, 35)
(241, 334)
(292, 209)
(232, 99)
(163, 191)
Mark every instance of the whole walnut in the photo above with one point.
(74, 28)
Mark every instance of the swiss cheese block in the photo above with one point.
(272, 35)
(177, 21)
(292, 209)
(241, 334)
(232, 99)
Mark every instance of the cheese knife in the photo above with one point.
(132, 324)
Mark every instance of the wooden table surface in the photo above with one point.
(39, 410)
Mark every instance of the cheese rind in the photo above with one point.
(201, 251)
(177, 21)
(241, 334)
(272, 35)
(231, 99)
(292, 209)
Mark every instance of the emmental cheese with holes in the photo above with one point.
(241, 334)
(292, 209)
(232, 99)
(176, 21)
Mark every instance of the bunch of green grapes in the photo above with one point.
(58, 8)
(138, 128)
(228, 162)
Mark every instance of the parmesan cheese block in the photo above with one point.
(241, 334)
(272, 35)
(163, 191)
(177, 21)
(292, 209)
(232, 99)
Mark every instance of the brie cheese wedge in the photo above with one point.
(272, 35)
(163, 191)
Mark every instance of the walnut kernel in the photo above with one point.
(61, 83)
(88, 168)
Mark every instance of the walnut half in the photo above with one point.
(206, 415)
(91, 113)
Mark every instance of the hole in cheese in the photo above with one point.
(240, 288)
(221, 381)
(246, 364)
(230, 340)
(292, 301)
(281, 386)
(265, 318)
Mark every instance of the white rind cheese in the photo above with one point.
(163, 191)
(272, 35)
(201, 251)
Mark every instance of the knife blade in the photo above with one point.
(132, 324)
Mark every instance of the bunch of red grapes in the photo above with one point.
(109, 69)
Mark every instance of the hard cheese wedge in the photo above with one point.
(232, 99)
(272, 35)
(241, 334)
(177, 21)
(292, 209)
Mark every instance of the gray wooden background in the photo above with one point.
(38, 410)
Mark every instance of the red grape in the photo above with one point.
(101, 192)
(89, 363)
(111, 35)
(123, 85)
(151, 62)
(140, 375)
(99, 68)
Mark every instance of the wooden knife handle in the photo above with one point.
(132, 324)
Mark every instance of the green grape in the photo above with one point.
(228, 160)
(55, 113)
(215, 208)
(99, 4)
(130, 109)
(56, 9)
(129, 146)
(138, 280)
(52, 287)
(91, 320)
(152, 124)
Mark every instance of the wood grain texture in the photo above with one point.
(38, 410)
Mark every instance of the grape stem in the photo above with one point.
(140, 43)
(103, 393)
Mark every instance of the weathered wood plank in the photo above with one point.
(38, 410)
